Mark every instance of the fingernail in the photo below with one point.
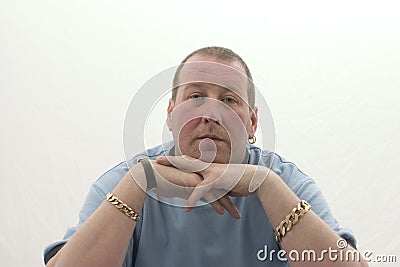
(238, 214)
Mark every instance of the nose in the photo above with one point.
(212, 119)
(212, 111)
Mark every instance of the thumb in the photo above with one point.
(184, 163)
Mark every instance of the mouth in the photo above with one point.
(211, 136)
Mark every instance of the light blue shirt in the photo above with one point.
(167, 235)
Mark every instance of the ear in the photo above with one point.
(253, 122)
(171, 105)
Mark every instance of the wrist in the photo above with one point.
(131, 188)
(262, 188)
(151, 183)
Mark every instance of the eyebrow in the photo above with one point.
(190, 85)
(201, 85)
(193, 84)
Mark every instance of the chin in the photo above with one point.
(222, 155)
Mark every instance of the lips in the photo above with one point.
(211, 136)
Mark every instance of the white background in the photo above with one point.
(69, 69)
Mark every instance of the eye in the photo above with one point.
(229, 100)
(195, 96)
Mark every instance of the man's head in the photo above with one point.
(211, 113)
(222, 54)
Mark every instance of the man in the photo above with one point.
(255, 197)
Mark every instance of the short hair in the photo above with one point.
(221, 53)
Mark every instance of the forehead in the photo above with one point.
(205, 69)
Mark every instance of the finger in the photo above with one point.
(184, 163)
(163, 161)
(217, 207)
(234, 194)
(199, 191)
(224, 202)
(213, 201)
(220, 204)
(228, 205)
(174, 181)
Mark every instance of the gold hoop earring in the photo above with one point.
(252, 140)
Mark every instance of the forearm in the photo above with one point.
(104, 238)
(310, 232)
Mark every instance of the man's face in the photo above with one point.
(210, 118)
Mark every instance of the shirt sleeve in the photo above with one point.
(310, 192)
(306, 188)
(94, 198)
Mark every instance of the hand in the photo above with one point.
(173, 182)
(219, 180)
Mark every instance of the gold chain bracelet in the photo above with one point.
(291, 219)
(128, 211)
